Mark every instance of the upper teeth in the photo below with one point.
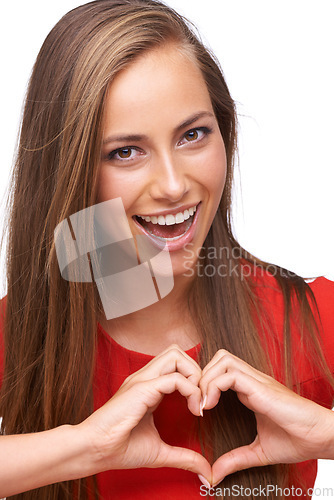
(169, 219)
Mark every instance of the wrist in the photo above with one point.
(86, 458)
(91, 444)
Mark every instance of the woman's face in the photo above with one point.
(163, 152)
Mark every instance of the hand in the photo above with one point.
(123, 431)
(290, 428)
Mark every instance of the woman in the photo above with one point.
(125, 102)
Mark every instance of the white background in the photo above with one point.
(277, 58)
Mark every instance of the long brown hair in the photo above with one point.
(50, 326)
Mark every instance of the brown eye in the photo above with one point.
(192, 135)
(195, 135)
(124, 153)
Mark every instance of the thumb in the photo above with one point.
(183, 458)
(241, 458)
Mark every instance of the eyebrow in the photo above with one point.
(139, 137)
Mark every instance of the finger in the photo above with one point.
(272, 400)
(128, 406)
(184, 363)
(171, 360)
(176, 346)
(246, 387)
(224, 362)
(224, 359)
(238, 459)
(150, 392)
(183, 458)
(219, 354)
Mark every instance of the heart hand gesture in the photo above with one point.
(290, 428)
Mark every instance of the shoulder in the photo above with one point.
(319, 294)
(323, 291)
(266, 286)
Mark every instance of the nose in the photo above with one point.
(169, 180)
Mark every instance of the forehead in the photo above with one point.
(161, 85)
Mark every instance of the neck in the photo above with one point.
(153, 329)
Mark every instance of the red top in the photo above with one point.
(177, 426)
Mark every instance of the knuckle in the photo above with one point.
(226, 362)
(222, 352)
(176, 376)
(174, 354)
(191, 463)
(228, 358)
(175, 347)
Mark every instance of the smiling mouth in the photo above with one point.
(167, 228)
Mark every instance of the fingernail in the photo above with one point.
(214, 485)
(204, 481)
(202, 405)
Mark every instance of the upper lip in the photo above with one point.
(173, 211)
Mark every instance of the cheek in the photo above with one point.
(111, 185)
(214, 171)
(104, 186)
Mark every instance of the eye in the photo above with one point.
(123, 154)
(194, 135)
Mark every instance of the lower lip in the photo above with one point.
(173, 245)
